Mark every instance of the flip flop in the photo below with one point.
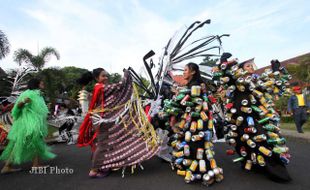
(98, 174)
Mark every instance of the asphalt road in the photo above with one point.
(156, 174)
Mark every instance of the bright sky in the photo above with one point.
(115, 34)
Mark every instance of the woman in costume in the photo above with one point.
(116, 126)
(26, 137)
(100, 75)
(191, 119)
(252, 122)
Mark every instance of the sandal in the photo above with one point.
(98, 173)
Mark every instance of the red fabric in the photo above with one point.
(147, 110)
(86, 134)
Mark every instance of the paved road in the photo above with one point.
(157, 175)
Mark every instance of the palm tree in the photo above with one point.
(37, 61)
(4, 45)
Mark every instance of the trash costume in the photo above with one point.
(190, 116)
(252, 124)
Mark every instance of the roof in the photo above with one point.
(179, 79)
(285, 63)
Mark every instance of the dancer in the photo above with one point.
(26, 137)
(190, 114)
(67, 116)
(116, 126)
(252, 122)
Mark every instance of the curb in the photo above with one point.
(294, 136)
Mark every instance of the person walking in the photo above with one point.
(26, 137)
(297, 106)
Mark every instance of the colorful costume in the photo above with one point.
(120, 135)
(252, 124)
(26, 137)
(190, 116)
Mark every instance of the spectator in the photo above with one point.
(297, 106)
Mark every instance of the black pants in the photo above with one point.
(66, 126)
(300, 117)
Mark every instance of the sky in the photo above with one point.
(116, 34)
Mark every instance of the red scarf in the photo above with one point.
(86, 134)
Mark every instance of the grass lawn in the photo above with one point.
(292, 126)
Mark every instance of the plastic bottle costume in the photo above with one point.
(26, 137)
(191, 118)
(118, 130)
(252, 122)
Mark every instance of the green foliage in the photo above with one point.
(37, 61)
(4, 45)
(60, 82)
(301, 71)
(145, 82)
(287, 119)
(281, 104)
(22, 55)
(53, 78)
(71, 75)
(114, 78)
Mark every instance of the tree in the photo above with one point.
(114, 78)
(71, 74)
(281, 104)
(53, 78)
(37, 61)
(62, 81)
(207, 61)
(301, 71)
(4, 45)
(145, 82)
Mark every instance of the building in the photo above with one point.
(179, 79)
